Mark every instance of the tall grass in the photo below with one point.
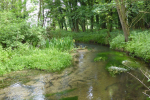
(61, 44)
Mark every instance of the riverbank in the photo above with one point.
(138, 44)
(53, 56)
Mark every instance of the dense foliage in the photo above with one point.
(14, 31)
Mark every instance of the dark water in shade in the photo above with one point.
(87, 80)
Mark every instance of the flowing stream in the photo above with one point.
(86, 80)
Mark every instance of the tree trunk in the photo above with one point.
(43, 14)
(92, 22)
(39, 13)
(103, 21)
(122, 16)
(97, 21)
(110, 21)
(83, 25)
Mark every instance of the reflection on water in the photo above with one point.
(88, 80)
(90, 93)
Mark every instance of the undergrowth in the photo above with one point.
(138, 44)
(53, 58)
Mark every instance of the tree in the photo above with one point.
(120, 5)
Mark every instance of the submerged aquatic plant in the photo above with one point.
(120, 62)
(99, 59)
(131, 64)
(115, 70)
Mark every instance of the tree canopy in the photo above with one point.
(83, 15)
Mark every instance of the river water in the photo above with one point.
(85, 80)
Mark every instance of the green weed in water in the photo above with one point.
(61, 93)
(117, 62)
(99, 59)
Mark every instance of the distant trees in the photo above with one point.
(86, 15)
(98, 14)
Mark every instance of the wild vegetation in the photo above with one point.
(52, 58)
(45, 45)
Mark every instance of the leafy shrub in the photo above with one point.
(14, 31)
(118, 42)
(139, 45)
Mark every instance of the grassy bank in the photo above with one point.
(138, 44)
(52, 56)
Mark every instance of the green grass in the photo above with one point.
(53, 58)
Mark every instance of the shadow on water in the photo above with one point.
(87, 80)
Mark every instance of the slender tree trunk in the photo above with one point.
(92, 22)
(122, 16)
(97, 21)
(83, 21)
(65, 23)
(83, 25)
(39, 13)
(110, 21)
(103, 25)
(43, 17)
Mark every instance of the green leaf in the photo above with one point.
(148, 80)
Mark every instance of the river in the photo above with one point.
(85, 80)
